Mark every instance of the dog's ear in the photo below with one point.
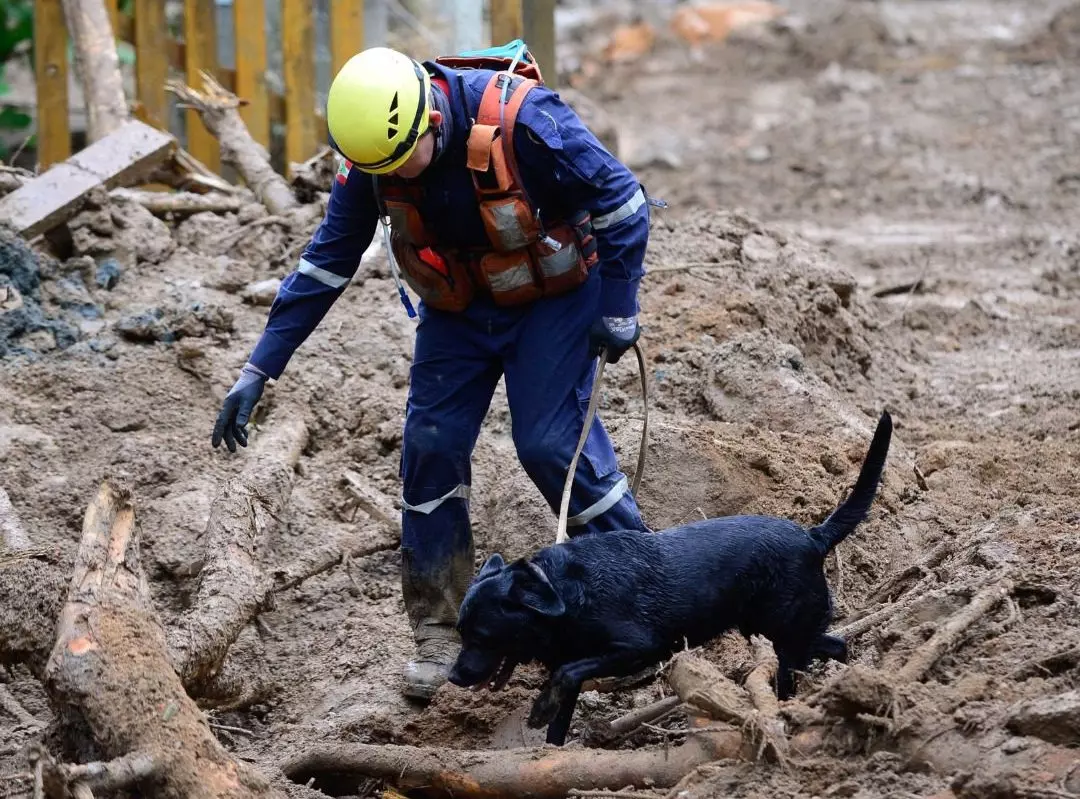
(493, 566)
(532, 588)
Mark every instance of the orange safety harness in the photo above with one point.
(524, 260)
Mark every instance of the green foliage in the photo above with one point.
(16, 36)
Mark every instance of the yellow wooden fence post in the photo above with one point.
(298, 46)
(346, 32)
(539, 28)
(50, 72)
(249, 21)
(151, 61)
(200, 39)
(506, 21)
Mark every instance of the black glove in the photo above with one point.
(615, 334)
(237, 408)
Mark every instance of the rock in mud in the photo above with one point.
(107, 274)
(168, 325)
(24, 326)
(262, 293)
(1055, 719)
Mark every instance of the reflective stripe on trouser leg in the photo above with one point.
(602, 505)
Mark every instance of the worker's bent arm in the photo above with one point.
(325, 269)
(561, 158)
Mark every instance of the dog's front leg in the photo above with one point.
(558, 698)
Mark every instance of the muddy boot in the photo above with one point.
(436, 652)
(432, 602)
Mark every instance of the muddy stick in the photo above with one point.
(10, 705)
(890, 611)
(12, 533)
(950, 633)
(539, 773)
(161, 203)
(233, 584)
(625, 725)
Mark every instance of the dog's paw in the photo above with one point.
(544, 709)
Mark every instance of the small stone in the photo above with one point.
(758, 154)
(262, 292)
(760, 249)
(1055, 719)
(1014, 745)
(107, 274)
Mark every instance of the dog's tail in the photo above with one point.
(855, 508)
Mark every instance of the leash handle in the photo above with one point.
(594, 400)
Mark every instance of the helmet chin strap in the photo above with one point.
(443, 133)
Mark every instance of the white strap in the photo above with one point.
(627, 209)
(457, 492)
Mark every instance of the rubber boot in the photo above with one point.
(432, 601)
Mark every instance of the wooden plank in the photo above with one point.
(123, 157)
(200, 40)
(249, 22)
(298, 48)
(538, 18)
(151, 60)
(51, 74)
(346, 31)
(506, 22)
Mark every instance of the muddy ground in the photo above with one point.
(873, 205)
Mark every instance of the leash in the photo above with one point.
(594, 400)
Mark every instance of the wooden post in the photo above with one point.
(539, 26)
(200, 39)
(97, 65)
(250, 26)
(346, 32)
(506, 22)
(298, 33)
(151, 61)
(50, 72)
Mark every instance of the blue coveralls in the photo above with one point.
(541, 348)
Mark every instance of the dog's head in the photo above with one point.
(501, 621)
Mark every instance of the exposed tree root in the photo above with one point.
(952, 631)
(232, 584)
(110, 670)
(217, 107)
(537, 773)
(701, 684)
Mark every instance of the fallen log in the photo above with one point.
(543, 773)
(97, 65)
(161, 203)
(233, 585)
(110, 670)
(217, 107)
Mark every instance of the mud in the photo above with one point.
(872, 205)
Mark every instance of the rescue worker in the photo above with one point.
(533, 289)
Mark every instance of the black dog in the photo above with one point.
(611, 604)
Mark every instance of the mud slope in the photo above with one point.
(872, 206)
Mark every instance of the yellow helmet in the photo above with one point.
(377, 109)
